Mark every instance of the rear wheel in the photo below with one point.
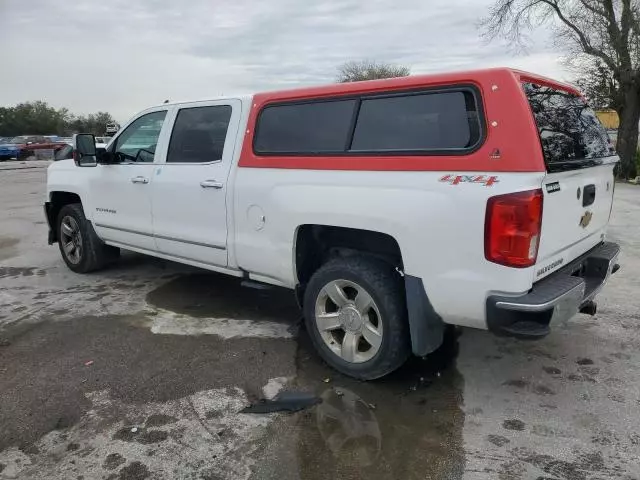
(356, 316)
(80, 247)
(23, 154)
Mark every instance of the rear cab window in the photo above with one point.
(570, 133)
(428, 122)
(199, 134)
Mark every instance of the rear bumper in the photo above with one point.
(554, 299)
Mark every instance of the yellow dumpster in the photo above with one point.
(608, 118)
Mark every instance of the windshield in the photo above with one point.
(19, 140)
(571, 134)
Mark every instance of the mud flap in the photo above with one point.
(425, 325)
(52, 236)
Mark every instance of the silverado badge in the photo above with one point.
(585, 219)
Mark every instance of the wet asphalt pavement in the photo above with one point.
(140, 371)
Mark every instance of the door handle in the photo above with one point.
(588, 195)
(139, 179)
(211, 184)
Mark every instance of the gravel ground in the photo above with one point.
(141, 371)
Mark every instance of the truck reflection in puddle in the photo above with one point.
(348, 424)
(405, 426)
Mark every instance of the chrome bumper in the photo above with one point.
(554, 299)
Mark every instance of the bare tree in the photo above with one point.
(369, 70)
(598, 84)
(604, 33)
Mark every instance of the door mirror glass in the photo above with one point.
(85, 150)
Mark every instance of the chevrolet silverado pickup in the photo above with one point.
(391, 208)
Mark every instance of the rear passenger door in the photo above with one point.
(189, 191)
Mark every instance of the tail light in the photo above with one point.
(512, 228)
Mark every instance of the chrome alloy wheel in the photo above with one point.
(349, 321)
(71, 239)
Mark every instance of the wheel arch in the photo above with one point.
(315, 244)
(57, 200)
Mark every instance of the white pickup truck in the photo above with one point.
(391, 207)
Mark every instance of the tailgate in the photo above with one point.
(578, 187)
(575, 215)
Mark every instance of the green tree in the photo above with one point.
(605, 34)
(6, 121)
(38, 118)
(369, 70)
(93, 123)
(30, 118)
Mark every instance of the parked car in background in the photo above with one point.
(112, 128)
(66, 152)
(25, 146)
(7, 149)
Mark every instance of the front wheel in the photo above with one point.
(80, 247)
(356, 317)
(23, 154)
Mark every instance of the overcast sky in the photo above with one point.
(125, 55)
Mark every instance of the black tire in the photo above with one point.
(24, 154)
(94, 253)
(384, 284)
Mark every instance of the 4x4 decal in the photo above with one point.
(486, 180)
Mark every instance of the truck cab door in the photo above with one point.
(189, 193)
(121, 191)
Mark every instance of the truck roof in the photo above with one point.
(470, 76)
(243, 97)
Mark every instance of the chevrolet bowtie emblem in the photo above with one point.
(586, 219)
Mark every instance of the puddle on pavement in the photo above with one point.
(407, 425)
(221, 296)
(8, 247)
(48, 369)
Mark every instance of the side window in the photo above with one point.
(318, 127)
(198, 134)
(64, 153)
(430, 121)
(138, 141)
